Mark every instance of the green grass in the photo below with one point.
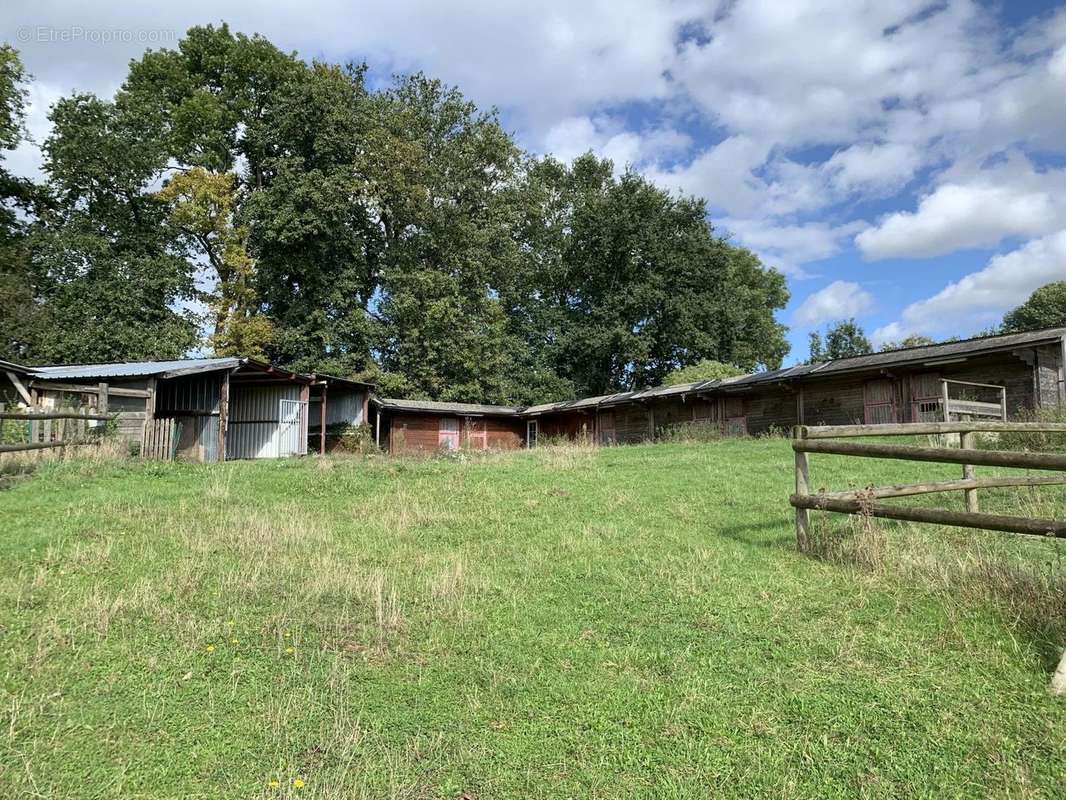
(627, 622)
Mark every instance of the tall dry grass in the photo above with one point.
(1022, 577)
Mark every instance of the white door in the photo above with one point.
(531, 433)
(290, 428)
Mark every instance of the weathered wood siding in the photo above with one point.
(420, 433)
(773, 409)
(567, 424)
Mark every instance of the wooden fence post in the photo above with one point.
(966, 442)
(803, 479)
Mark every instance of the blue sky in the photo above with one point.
(902, 162)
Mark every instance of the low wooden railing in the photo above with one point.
(42, 436)
(864, 501)
(818, 439)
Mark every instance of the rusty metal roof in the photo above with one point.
(435, 407)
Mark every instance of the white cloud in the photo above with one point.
(575, 136)
(838, 300)
(982, 297)
(723, 174)
(873, 167)
(787, 247)
(1012, 199)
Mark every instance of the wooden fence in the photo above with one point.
(52, 429)
(820, 439)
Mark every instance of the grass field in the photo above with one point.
(627, 622)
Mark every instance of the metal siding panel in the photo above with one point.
(255, 418)
(344, 407)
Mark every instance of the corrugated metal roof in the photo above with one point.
(445, 408)
(132, 369)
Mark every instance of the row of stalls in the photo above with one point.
(204, 410)
(215, 409)
(990, 377)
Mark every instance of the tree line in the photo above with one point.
(232, 198)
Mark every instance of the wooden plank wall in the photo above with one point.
(505, 434)
(160, 439)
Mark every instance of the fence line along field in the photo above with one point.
(567, 621)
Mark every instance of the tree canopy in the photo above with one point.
(232, 197)
(705, 370)
(843, 339)
(1045, 308)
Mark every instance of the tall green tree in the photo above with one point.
(313, 223)
(1045, 308)
(109, 279)
(202, 206)
(843, 339)
(623, 283)
(446, 225)
(18, 196)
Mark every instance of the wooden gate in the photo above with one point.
(161, 437)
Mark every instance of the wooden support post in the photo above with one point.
(651, 422)
(799, 406)
(377, 429)
(1062, 370)
(101, 398)
(20, 388)
(223, 416)
(322, 422)
(966, 442)
(803, 479)
(944, 400)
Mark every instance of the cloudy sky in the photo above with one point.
(904, 162)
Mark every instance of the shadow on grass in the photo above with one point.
(755, 534)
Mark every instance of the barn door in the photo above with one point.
(926, 398)
(290, 428)
(477, 436)
(735, 421)
(448, 433)
(605, 426)
(879, 401)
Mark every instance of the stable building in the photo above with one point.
(201, 409)
(992, 376)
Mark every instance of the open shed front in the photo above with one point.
(202, 410)
(249, 410)
(267, 413)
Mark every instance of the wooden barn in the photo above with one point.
(423, 426)
(993, 376)
(205, 409)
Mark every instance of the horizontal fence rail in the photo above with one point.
(864, 502)
(938, 516)
(923, 429)
(40, 428)
(985, 458)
